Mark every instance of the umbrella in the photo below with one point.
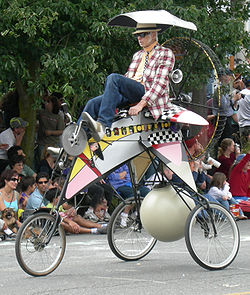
(161, 18)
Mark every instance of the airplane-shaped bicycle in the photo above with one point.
(169, 212)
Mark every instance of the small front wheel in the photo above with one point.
(127, 238)
(37, 252)
(212, 236)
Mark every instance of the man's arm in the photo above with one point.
(133, 111)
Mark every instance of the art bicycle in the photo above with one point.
(169, 212)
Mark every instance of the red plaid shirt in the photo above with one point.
(155, 78)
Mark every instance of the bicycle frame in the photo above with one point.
(126, 139)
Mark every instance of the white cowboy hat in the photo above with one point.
(142, 28)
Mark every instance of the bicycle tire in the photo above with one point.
(212, 250)
(34, 255)
(132, 242)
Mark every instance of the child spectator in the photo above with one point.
(219, 190)
(98, 210)
(58, 182)
(71, 221)
(27, 186)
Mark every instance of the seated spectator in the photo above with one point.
(36, 199)
(58, 182)
(11, 136)
(27, 186)
(195, 148)
(17, 150)
(98, 210)
(198, 175)
(204, 168)
(239, 179)
(9, 197)
(120, 180)
(227, 154)
(101, 189)
(48, 162)
(219, 190)
(16, 163)
(52, 196)
(71, 221)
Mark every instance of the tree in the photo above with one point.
(66, 46)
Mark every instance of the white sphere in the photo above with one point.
(163, 213)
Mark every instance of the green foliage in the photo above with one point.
(66, 46)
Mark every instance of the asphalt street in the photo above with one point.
(89, 267)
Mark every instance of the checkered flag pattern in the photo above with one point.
(164, 136)
(168, 114)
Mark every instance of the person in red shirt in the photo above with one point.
(240, 178)
(227, 154)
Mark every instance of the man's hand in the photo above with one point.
(4, 146)
(197, 165)
(237, 96)
(19, 135)
(122, 174)
(133, 111)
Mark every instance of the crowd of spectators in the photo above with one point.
(225, 179)
(231, 153)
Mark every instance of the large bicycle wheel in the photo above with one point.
(128, 242)
(36, 254)
(201, 68)
(212, 236)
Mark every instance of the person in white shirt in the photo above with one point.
(10, 137)
(243, 114)
(13, 135)
(220, 191)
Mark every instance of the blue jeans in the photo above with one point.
(127, 191)
(119, 91)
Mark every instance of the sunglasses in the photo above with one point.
(142, 35)
(41, 182)
(14, 179)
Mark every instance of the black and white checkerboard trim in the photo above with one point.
(168, 114)
(164, 136)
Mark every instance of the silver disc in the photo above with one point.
(72, 144)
